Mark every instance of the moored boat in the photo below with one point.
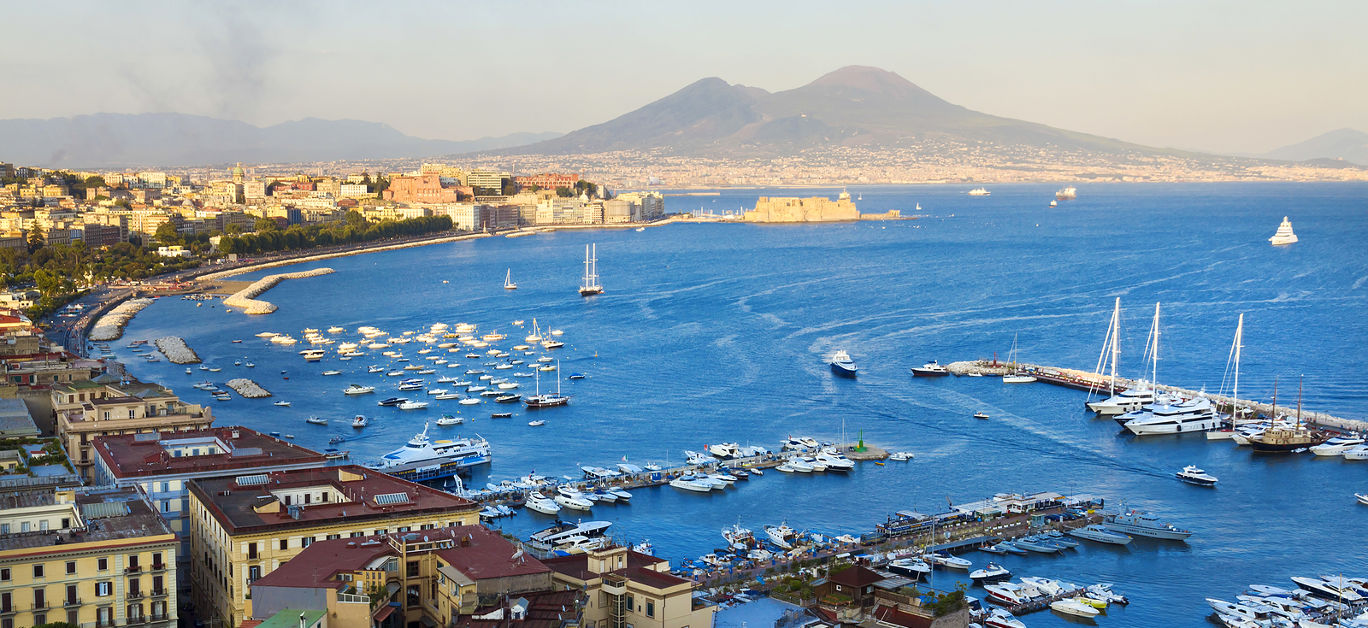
(930, 369)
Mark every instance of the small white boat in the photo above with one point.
(537, 423)
(448, 419)
(329, 373)
(901, 456)
(282, 404)
(1073, 607)
(316, 420)
(359, 421)
(413, 405)
(537, 502)
(508, 281)
(689, 483)
(1193, 475)
(1362, 498)
(357, 389)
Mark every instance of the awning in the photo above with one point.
(382, 612)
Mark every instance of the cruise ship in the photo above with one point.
(422, 459)
(1192, 415)
(1284, 234)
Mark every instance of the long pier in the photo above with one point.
(1086, 380)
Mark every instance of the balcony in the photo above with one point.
(71, 602)
(614, 584)
(160, 617)
(158, 593)
(132, 569)
(134, 595)
(40, 606)
(157, 567)
(131, 621)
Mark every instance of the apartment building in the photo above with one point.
(85, 412)
(628, 588)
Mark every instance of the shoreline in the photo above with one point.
(335, 254)
(244, 298)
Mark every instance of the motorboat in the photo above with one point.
(316, 420)
(1284, 235)
(948, 561)
(801, 443)
(782, 535)
(1011, 593)
(835, 462)
(1073, 607)
(901, 456)
(391, 401)
(930, 369)
(572, 499)
(690, 483)
(536, 423)
(992, 572)
(1362, 498)
(1337, 445)
(1173, 417)
(282, 404)
(330, 373)
(358, 389)
(981, 415)
(537, 502)
(1144, 524)
(723, 451)
(842, 365)
(1000, 618)
(1100, 534)
(550, 538)
(914, 568)
(1193, 475)
(799, 465)
(359, 421)
(1048, 586)
(448, 419)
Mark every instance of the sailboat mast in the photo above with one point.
(1235, 394)
(1299, 393)
(1115, 329)
(1154, 352)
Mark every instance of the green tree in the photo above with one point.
(35, 238)
(167, 235)
(95, 181)
(265, 224)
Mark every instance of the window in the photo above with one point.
(411, 569)
(4, 574)
(74, 617)
(306, 541)
(71, 595)
(357, 533)
(102, 564)
(38, 571)
(104, 589)
(133, 561)
(251, 551)
(253, 573)
(39, 619)
(650, 608)
(6, 602)
(39, 601)
(104, 616)
(284, 544)
(66, 522)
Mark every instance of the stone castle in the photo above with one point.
(813, 209)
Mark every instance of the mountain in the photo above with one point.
(852, 106)
(171, 139)
(1350, 145)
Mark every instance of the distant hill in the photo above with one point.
(1350, 145)
(853, 106)
(107, 140)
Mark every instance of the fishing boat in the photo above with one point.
(1284, 234)
(590, 285)
(842, 365)
(782, 535)
(508, 281)
(930, 369)
(1193, 475)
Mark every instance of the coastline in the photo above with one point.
(245, 299)
(348, 253)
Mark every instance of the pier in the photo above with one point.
(1086, 380)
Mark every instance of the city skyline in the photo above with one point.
(1192, 77)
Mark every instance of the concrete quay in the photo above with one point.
(1086, 380)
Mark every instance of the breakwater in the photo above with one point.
(1084, 380)
(111, 325)
(244, 299)
(176, 351)
(248, 388)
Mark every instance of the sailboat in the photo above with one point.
(1114, 404)
(1169, 414)
(590, 286)
(1016, 376)
(508, 281)
(1282, 439)
(536, 335)
(548, 400)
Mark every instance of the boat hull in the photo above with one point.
(925, 372)
(842, 370)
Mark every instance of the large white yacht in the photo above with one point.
(1129, 400)
(423, 459)
(548, 539)
(1174, 417)
(1284, 234)
(1337, 445)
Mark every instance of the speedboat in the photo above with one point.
(992, 572)
(914, 568)
(316, 420)
(537, 502)
(1073, 607)
(1101, 535)
(1336, 446)
(842, 365)
(1193, 475)
(359, 421)
(689, 483)
(930, 369)
(1000, 618)
(357, 389)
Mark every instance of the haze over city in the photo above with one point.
(1222, 77)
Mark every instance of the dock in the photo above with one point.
(1086, 380)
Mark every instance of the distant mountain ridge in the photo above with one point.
(108, 140)
(852, 106)
(1349, 145)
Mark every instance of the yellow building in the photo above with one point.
(243, 528)
(85, 412)
(88, 558)
(791, 209)
(628, 588)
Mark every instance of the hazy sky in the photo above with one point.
(1219, 76)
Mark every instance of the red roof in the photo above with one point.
(638, 569)
(856, 576)
(891, 615)
(481, 553)
(137, 455)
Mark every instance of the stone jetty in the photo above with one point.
(248, 388)
(245, 299)
(111, 325)
(176, 351)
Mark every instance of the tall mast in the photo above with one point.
(1235, 394)
(1299, 391)
(1154, 355)
(1115, 328)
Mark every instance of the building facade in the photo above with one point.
(87, 411)
(627, 588)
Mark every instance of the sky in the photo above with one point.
(1225, 77)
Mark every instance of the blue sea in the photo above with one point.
(721, 332)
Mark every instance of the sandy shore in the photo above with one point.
(243, 299)
(110, 326)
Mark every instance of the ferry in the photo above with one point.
(422, 459)
(1284, 235)
(1144, 524)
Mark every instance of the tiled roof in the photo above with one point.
(137, 455)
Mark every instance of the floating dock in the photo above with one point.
(1085, 380)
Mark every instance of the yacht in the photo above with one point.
(914, 568)
(1172, 417)
(359, 421)
(448, 419)
(537, 502)
(1193, 475)
(357, 389)
(590, 285)
(980, 192)
(1100, 534)
(1016, 375)
(1129, 400)
(992, 572)
(1337, 445)
(835, 462)
(548, 400)
(930, 369)
(1284, 234)
(572, 499)
(1357, 452)
(1067, 194)
(1331, 588)
(842, 365)
(782, 535)
(423, 459)
(690, 483)
(948, 561)
(548, 539)
(1144, 524)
